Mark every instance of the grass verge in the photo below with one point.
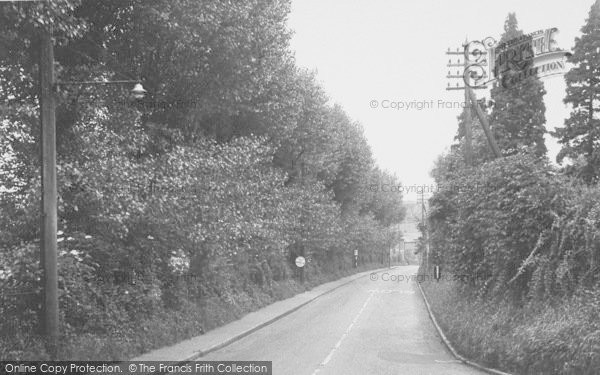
(560, 338)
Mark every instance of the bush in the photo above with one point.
(532, 239)
(531, 232)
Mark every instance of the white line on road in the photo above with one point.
(389, 291)
(337, 345)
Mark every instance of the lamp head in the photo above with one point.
(138, 91)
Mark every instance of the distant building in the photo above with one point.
(410, 233)
(407, 251)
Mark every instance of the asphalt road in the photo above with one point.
(365, 327)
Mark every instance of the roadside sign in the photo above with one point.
(300, 262)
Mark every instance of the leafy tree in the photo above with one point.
(210, 68)
(233, 165)
(385, 202)
(355, 167)
(580, 133)
(518, 116)
(302, 154)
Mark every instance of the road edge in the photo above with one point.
(449, 344)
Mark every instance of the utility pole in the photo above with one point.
(421, 200)
(471, 99)
(49, 318)
(465, 65)
(484, 123)
(468, 133)
(48, 253)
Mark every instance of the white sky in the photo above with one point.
(366, 50)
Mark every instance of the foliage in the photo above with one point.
(195, 200)
(579, 135)
(531, 232)
(526, 231)
(524, 234)
(518, 116)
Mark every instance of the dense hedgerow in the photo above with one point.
(526, 238)
(523, 229)
(211, 228)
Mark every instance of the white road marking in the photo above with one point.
(389, 291)
(337, 345)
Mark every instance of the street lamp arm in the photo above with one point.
(138, 90)
(58, 83)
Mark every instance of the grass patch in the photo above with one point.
(561, 338)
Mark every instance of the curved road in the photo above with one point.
(365, 327)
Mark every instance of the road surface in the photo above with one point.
(365, 327)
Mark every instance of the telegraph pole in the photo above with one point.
(484, 123)
(49, 217)
(471, 100)
(48, 253)
(468, 133)
(421, 200)
(464, 53)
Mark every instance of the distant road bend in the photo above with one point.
(365, 327)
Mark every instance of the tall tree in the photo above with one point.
(582, 128)
(518, 116)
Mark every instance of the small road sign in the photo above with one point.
(300, 262)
